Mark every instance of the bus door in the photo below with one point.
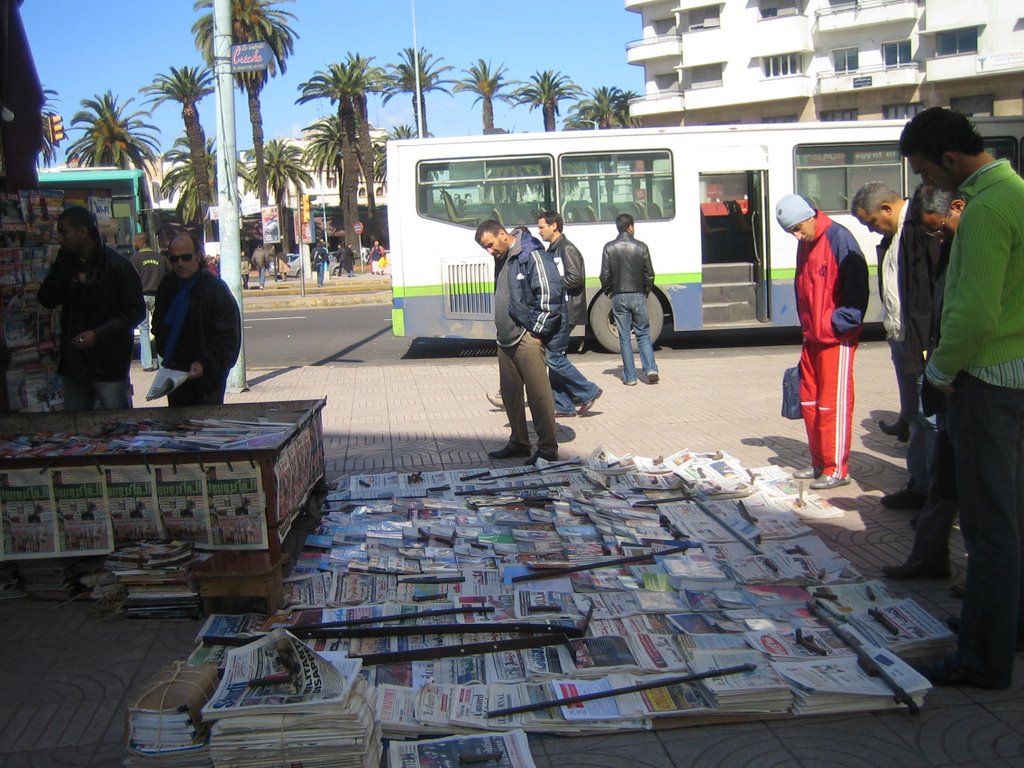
(734, 268)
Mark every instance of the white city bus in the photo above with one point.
(701, 198)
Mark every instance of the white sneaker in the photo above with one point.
(496, 400)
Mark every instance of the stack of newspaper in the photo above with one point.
(760, 690)
(505, 750)
(157, 579)
(281, 703)
(165, 726)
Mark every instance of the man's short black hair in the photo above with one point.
(487, 227)
(552, 218)
(623, 222)
(936, 131)
(79, 217)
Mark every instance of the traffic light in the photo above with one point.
(55, 125)
(305, 208)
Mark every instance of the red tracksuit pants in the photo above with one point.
(826, 396)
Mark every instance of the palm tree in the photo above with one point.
(364, 79)
(487, 86)
(402, 79)
(112, 137)
(181, 179)
(323, 153)
(49, 150)
(188, 86)
(404, 131)
(603, 107)
(252, 21)
(625, 119)
(545, 90)
(339, 84)
(284, 167)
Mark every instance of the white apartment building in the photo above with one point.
(751, 61)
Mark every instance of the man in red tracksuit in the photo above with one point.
(831, 297)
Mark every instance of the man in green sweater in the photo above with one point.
(979, 363)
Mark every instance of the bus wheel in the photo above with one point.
(603, 324)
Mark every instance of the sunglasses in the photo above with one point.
(183, 257)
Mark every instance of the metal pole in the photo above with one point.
(416, 63)
(227, 174)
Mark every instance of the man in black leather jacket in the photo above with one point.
(100, 298)
(628, 277)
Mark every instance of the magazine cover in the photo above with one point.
(29, 517)
(181, 498)
(238, 506)
(83, 520)
(131, 495)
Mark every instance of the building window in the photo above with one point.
(708, 76)
(664, 26)
(779, 119)
(667, 83)
(901, 111)
(830, 174)
(957, 41)
(845, 59)
(896, 54)
(783, 65)
(835, 115)
(705, 18)
(772, 8)
(973, 106)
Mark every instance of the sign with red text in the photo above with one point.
(250, 57)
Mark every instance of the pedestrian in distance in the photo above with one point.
(261, 261)
(99, 293)
(151, 266)
(939, 214)
(831, 297)
(979, 364)
(907, 265)
(320, 259)
(528, 311)
(627, 276)
(348, 259)
(376, 254)
(197, 326)
(568, 385)
(281, 265)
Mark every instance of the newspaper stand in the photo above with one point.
(289, 465)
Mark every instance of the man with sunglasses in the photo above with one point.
(197, 326)
(100, 298)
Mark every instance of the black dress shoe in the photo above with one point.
(510, 452)
(538, 455)
(917, 569)
(905, 498)
(947, 672)
(899, 429)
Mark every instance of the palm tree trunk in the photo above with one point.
(488, 109)
(549, 117)
(256, 118)
(350, 180)
(197, 150)
(364, 152)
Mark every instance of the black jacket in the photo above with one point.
(212, 332)
(109, 302)
(574, 278)
(918, 272)
(626, 266)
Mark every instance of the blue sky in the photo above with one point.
(85, 49)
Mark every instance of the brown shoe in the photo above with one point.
(917, 569)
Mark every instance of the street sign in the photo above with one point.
(250, 57)
(358, 227)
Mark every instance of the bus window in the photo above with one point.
(466, 192)
(1003, 148)
(599, 187)
(830, 175)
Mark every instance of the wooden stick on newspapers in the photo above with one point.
(551, 573)
(867, 663)
(721, 672)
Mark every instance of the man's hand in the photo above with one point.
(84, 340)
(195, 370)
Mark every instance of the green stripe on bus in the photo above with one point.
(398, 322)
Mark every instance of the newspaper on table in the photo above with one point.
(760, 690)
(505, 750)
(905, 628)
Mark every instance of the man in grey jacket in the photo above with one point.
(528, 312)
(628, 277)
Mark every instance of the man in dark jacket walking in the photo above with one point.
(528, 312)
(100, 299)
(197, 326)
(151, 266)
(628, 277)
(568, 385)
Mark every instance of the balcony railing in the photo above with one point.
(871, 77)
(863, 13)
(661, 46)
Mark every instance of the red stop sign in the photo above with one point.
(358, 227)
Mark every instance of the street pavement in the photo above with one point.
(68, 670)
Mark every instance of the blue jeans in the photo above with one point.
(145, 341)
(630, 312)
(922, 428)
(263, 276)
(986, 424)
(88, 395)
(568, 385)
(321, 273)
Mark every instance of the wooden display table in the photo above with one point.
(240, 574)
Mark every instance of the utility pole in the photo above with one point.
(419, 85)
(227, 174)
